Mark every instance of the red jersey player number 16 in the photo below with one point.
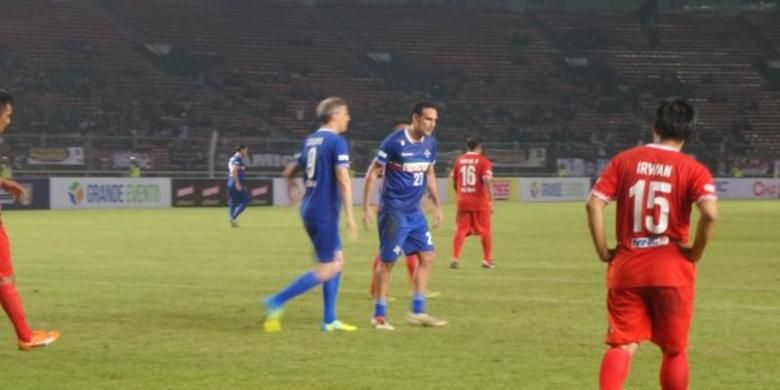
(472, 176)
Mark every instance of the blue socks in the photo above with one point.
(380, 308)
(236, 210)
(298, 287)
(330, 290)
(418, 303)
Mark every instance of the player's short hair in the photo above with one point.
(328, 107)
(240, 147)
(5, 98)
(420, 106)
(675, 119)
(474, 142)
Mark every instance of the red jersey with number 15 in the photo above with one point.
(655, 187)
(469, 173)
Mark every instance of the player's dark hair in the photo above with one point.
(240, 147)
(473, 143)
(420, 106)
(5, 98)
(328, 107)
(675, 119)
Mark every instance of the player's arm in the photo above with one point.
(291, 170)
(372, 176)
(345, 186)
(234, 173)
(12, 187)
(433, 190)
(708, 214)
(488, 182)
(595, 207)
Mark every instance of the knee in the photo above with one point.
(630, 348)
(6, 280)
(673, 352)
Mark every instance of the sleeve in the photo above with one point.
(385, 152)
(434, 146)
(703, 187)
(606, 186)
(487, 169)
(341, 152)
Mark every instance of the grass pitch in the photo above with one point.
(167, 299)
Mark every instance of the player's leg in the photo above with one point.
(12, 303)
(484, 229)
(615, 365)
(462, 230)
(629, 324)
(392, 231)
(232, 204)
(243, 201)
(326, 269)
(672, 308)
(421, 241)
(374, 269)
(412, 261)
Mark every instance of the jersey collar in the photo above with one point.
(662, 147)
(409, 138)
(472, 153)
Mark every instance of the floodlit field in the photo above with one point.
(168, 299)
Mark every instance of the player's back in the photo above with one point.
(655, 187)
(406, 163)
(236, 162)
(321, 153)
(470, 172)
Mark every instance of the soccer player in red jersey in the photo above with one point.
(472, 177)
(651, 272)
(9, 297)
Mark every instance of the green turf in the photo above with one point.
(168, 299)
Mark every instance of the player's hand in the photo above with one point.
(608, 255)
(238, 187)
(15, 189)
(688, 252)
(368, 217)
(437, 217)
(492, 208)
(294, 192)
(352, 232)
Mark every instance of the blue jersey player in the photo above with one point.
(406, 160)
(324, 160)
(238, 193)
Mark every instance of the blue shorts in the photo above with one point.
(324, 235)
(403, 232)
(236, 196)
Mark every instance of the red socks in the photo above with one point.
(614, 369)
(674, 371)
(12, 304)
(457, 245)
(411, 266)
(487, 246)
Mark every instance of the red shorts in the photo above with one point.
(659, 314)
(5, 255)
(475, 223)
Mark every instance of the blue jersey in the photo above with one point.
(238, 162)
(406, 163)
(319, 156)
